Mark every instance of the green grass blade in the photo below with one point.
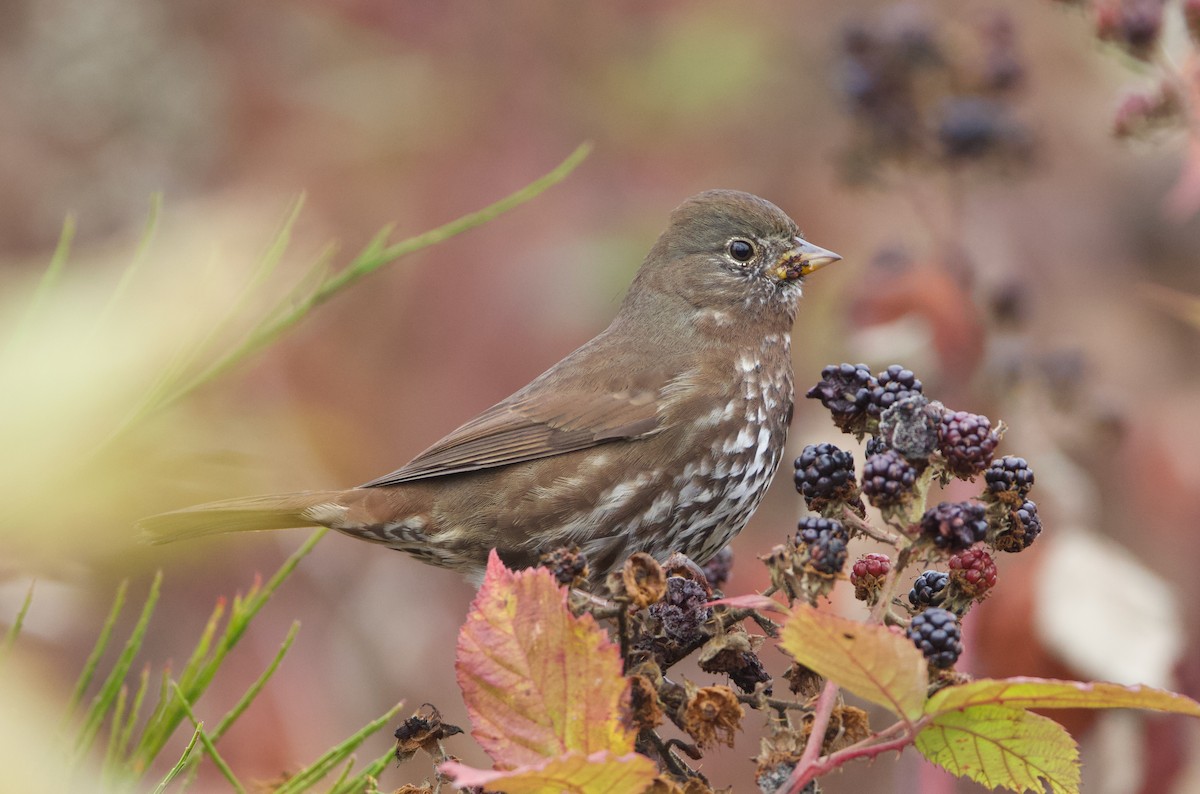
(116, 722)
(346, 768)
(305, 778)
(206, 742)
(112, 684)
(257, 686)
(372, 258)
(89, 667)
(125, 736)
(368, 776)
(181, 764)
(10, 636)
(149, 232)
(49, 280)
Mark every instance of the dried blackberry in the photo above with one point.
(955, 525)
(682, 610)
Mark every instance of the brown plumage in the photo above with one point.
(660, 435)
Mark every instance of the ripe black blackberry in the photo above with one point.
(955, 525)
(893, 384)
(1018, 529)
(875, 445)
(936, 632)
(845, 389)
(1008, 479)
(682, 610)
(824, 540)
(929, 590)
(966, 441)
(825, 474)
(867, 575)
(888, 479)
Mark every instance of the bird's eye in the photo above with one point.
(741, 250)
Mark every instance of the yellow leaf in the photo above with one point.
(1043, 693)
(870, 661)
(1003, 747)
(538, 682)
(599, 773)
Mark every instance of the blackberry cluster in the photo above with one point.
(888, 479)
(966, 441)
(972, 576)
(825, 474)
(955, 525)
(1007, 478)
(825, 540)
(936, 632)
(928, 590)
(682, 610)
(1021, 528)
(892, 385)
(867, 575)
(845, 390)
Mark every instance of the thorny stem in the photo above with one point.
(672, 762)
(758, 700)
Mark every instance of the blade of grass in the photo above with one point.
(251, 693)
(305, 778)
(372, 258)
(200, 672)
(180, 765)
(112, 684)
(346, 768)
(206, 742)
(116, 722)
(93, 660)
(149, 232)
(368, 775)
(126, 733)
(49, 280)
(10, 636)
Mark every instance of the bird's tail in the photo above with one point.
(278, 511)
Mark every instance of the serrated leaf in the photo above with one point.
(538, 682)
(575, 773)
(1003, 747)
(1045, 693)
(870, 661)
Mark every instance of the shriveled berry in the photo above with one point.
(867, 575)
(955, 525)
(682, 610)
(888, 479)
(928, 590)
(824, 474)
(718, 568)
(910, 426)
(845, 390)
(894, 383)
(966, 441)
(825, 541)
(1021, 528)
(1008, 475)
(936, 632)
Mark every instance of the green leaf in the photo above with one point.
(1003, 747)
(871, 661)
(574, 773)
(538, 682)
(1043, 693)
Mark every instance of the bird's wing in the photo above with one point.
(540, 423)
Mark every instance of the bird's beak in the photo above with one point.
(802, 259)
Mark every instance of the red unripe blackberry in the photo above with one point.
(825, 473)
(972, 575)
(845, 389)
(955, 525)
(825, 540)
(936, 632)
(893, 384)
(928, 590)
(966, 441)
(1020, 529)
(867, 575)
(888, 479)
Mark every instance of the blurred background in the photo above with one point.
(1013, 186)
